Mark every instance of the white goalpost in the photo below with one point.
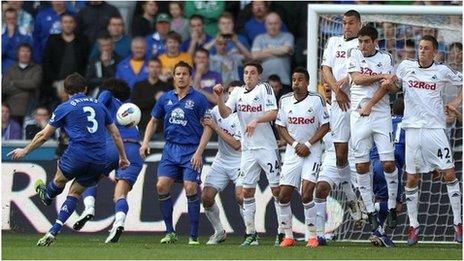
(400, 28)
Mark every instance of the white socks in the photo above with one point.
(212, 214)
(310, 218)
(249, 210)
(392, 185)
(454, 194)
(365, 188)
(412, 195)
(345, 173)
(280, 229)
(120, 218)
(320, 205)
(286, 219)
(89, 203)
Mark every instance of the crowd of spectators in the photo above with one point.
(43, 42)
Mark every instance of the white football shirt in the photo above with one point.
(302, 118)
(335, 55)
(226, 154)
(379, 63)
(250, 105)
(422, 87)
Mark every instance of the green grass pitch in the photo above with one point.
(132, 246)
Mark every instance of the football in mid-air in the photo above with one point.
(128, 115)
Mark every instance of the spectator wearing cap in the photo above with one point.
(21, 83)
(134, 68)
(179, 24)
(143, 24)
(11, 39)
(274, 49)
(156, 43)
(11, 130)
(47, 22)
(209, 10)
(172, 56)
(203, 78)
(121, 41)
(198, 37)
(104, 66)
(92, 20)
(64, 54)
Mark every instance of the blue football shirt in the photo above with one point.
(85, 121)
(182, 118)
(113, 104)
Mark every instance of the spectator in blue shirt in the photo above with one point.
(11, 39)
(198, 37)
(156, 43)
(134, 68)
(47, 22)
(256, 25)
(121, 41)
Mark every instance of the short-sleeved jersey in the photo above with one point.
(335, 55)
(422, 87)
(250, 105)
(84, 120)
(182, 118)
(112, 104)
(231, 125)
(302, 118)
(379, 63)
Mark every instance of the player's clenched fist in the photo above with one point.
(124, 163)
(144, 150)
(218, 89)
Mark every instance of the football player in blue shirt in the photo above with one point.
(379, 237)
(182, 111)
(115, 92)
(84, 120)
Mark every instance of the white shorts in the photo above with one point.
(295, 169)
(220, 175)
(253, 161)
(365, 131)
(329, 171)
(339, 123)
(426, 150)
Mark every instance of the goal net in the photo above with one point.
(400, 28)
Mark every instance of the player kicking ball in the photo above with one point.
(302, 122)
(225, 167)
(256, 107)
(114, 92)
(367, 67)
(427, 146)
(182, 111)
(83, 119)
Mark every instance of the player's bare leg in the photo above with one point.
(163, 186)
(322, 192)
(121, 208)
(307, 190)
(285, 197)
(193, 202)
(364, 178)
(212, 213)
(411, 192)
(391, 177)
(48, 192)
(454, 195)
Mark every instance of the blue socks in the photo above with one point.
(90, 191)
(121, 206)
(194, 214)
(53, 190)
(383, 212)
(166, 207)
(66, 210)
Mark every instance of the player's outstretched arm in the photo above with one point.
(366, 80)
(229, 139)
(197, 159)
(149, 131)
(116, 136)
(40, 138)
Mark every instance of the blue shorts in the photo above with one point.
(86, 174)
(129, 174)
(380, 184)
(175, 163)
